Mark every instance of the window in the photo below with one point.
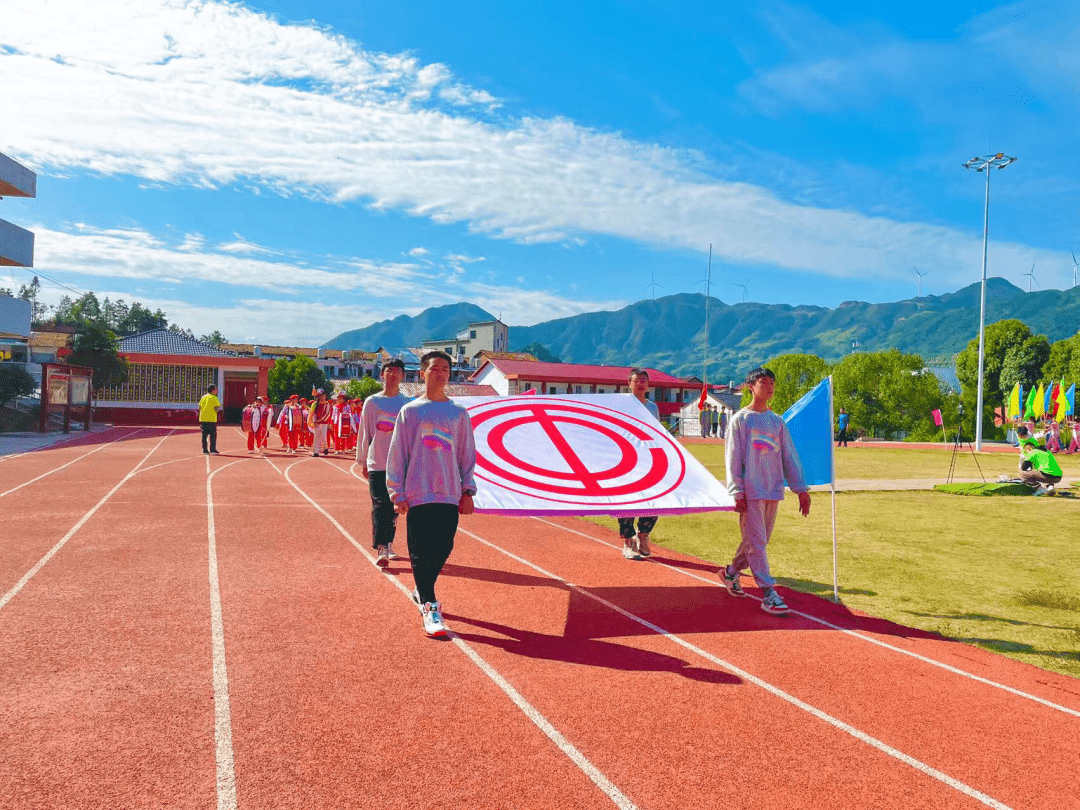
(600, 390)
(553, 389)
(472, 334)
(449, 350)
(577, 389)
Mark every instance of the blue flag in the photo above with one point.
(809, 422)
(1071, 396)
(1048, 406)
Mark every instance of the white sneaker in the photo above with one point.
(630, 549)
(433, 623)
(390, 551)
(643, 544)
(1042, 490)
(383, 559)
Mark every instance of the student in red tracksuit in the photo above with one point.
(267, 420)
(342, 424)
(288, 422)
(251, 421)
(319, 421)
(306, 435)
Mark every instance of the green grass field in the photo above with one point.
(875, 463)
(1000, 573)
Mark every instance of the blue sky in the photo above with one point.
(284, 178)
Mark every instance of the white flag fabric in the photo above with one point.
(586, 454)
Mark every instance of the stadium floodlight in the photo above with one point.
(984, 163)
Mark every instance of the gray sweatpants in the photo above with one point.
(756, 525)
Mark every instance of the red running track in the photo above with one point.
(178, 630)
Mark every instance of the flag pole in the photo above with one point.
(705, 344)
(832, 487)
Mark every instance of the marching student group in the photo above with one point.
(418, 456)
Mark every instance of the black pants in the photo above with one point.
(209, 429)
(430, 528)
(644, 525)
(841, 437)
(383, 516)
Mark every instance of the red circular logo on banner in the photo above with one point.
(574, 452)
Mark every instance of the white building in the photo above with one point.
(493, 336)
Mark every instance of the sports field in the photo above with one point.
(178, 630)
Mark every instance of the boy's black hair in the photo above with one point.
(210, 388)
(397, 362)
(426, 359)
(639, 372)
(1022, 431)
(759, 372)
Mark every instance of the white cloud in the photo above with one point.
(419, 251)
(208, 94)
(293, 301)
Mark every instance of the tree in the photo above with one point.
(541, 352)
(362, 388)
(298, 376)
(29, 292)
(1000, 337)
(215, 338)
(175, 327)
(796, 375)
(887, 392)
(97, 347)
(1063, 356)
(15, 381)
(141, 319)
(1024, 363)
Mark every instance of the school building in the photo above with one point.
(510, 377)
(169, 373)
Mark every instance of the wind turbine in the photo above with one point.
(1074, 269)
(921, 274)
(653, 285)
(743, 289)
(1031, 277)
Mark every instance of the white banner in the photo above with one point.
(596, 454)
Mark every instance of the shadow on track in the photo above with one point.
(576, 649)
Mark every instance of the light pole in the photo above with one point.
(984, 164)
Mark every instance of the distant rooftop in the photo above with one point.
(164, 341)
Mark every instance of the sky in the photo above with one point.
(283, 172)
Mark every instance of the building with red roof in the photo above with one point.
(510, 377)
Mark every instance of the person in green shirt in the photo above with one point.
(1038, 467)
(209, 408)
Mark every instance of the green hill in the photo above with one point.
(668, 332)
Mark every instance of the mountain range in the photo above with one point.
(668, 332)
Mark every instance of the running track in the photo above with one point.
(178, 630)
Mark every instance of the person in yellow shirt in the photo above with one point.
(209, 408)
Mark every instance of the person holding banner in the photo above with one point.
(429, 475)
(637, 546)
(760, 455)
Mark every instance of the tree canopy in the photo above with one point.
(15, 381)
(363, 387)
(298, 376)
(97, 347)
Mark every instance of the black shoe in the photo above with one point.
(206, 452)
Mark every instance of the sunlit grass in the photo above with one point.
(907, 463)
(1000, 573)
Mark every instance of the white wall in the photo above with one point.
(493, 377)
(15, 316)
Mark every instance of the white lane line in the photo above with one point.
(7, 597)
(853, 633)
(223, 747)
(572, 753)
(80, 458)
(862, 736)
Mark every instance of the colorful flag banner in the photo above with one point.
(809, 422)
(1012, 411)
(936, 413)
(1070, 395)
(594, 454)
(1061, 402)
(1029, 406)
(1040, 402)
